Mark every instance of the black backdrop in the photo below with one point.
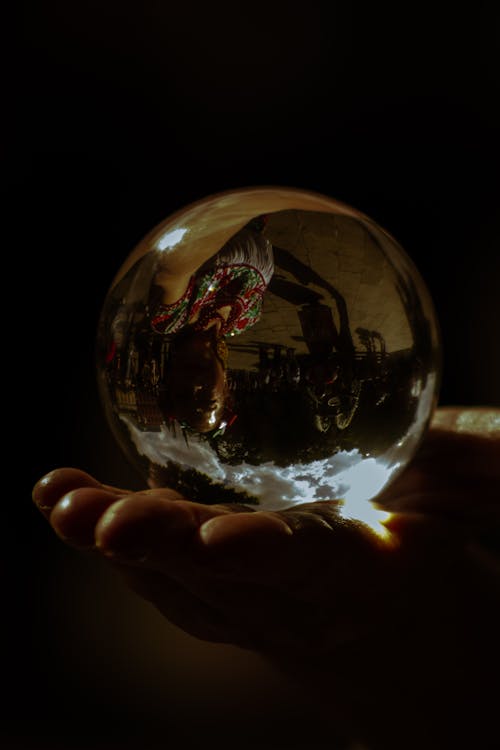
(124, 113)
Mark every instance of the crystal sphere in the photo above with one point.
(269, 346)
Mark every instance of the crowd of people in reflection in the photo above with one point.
(321, 395)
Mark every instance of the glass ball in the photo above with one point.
(269, 346)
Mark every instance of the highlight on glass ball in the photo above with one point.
(271, 347)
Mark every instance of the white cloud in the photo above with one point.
(347, 474)
(170, 239)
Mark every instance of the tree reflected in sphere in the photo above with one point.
(269, 346)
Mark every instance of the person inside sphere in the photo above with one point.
(221, 299)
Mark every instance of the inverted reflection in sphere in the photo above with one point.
(269, 346)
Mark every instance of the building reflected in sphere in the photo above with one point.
(269, 346)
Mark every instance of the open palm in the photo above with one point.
(365, 621)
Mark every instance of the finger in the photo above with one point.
(464, 462)
(76, 514)
(197, 544)
(54, 485)
(251, 547)
(439, 491)
(462, 504)
(460, 453)
(465, 440)
(483, 421)
(296, 548)
(224, 530)
(152, 528)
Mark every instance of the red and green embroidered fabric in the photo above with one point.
(240, 287)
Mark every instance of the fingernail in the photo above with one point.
(38, 488)
(209, 531)
(239, 529)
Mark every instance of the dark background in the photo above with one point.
(122, 114)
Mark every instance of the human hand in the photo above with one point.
(372, 624)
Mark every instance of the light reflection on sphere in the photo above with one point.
(269, 346)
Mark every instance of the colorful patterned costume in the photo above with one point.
(236, 278)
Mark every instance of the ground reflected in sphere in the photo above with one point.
(269, 346)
